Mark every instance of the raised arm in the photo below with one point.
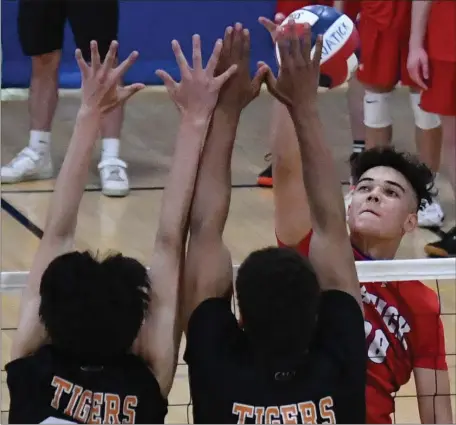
(195, 97)
(291, 209)
(296, 87)
(99, 94)
(208, 267)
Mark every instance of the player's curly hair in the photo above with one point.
(278, 296)
(418, 174)
(93, 309)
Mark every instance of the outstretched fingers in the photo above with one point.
(246, 45)
(110, 59)
(294, 40)
(82, 64)
(168, 81)
(318, 51)
(238, 42)
(181, 60)
(271, 84)
(279, 18)
(226, 47)
(95, 56)
(128, 91)
(223, 78)
(284, 50)
(259, 78)
(213, 60)
(268, 24)
(306, 43)
(196, 53)
(121, 70)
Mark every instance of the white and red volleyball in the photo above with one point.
(340, 42)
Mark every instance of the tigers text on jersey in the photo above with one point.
(228, 385)
(47, 387)
(403, 331)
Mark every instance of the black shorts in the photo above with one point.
(41, 24)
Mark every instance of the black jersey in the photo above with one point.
(228, 386)
(48, 387)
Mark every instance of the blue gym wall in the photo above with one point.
(149, 27)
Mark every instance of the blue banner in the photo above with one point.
(149, 27)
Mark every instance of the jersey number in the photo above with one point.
(379, 345)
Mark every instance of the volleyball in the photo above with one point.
(340, 42)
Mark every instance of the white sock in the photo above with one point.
(40, 141)
(110, 148)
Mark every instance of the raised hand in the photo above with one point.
(198, 91)
(240, 89)
(272, 27)
(100, 88)
(299, 72)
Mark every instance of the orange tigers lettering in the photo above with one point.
(95, 408)
(306, 412)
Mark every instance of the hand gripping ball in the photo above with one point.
(340, 42)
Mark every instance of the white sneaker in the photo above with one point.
(113, 176)
(28, 165)
(431, 215)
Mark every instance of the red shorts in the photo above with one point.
(351, 7)
(440, 97)
(383, 61)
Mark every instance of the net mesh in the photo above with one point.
(439, 275)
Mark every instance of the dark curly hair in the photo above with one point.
(93, 309)
(418, 174)
(278, 296)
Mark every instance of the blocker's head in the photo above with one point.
(278, 295)
(390, 188)
(93, 309)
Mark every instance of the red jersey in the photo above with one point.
(387, 14)
(403, 331)
(441, 31)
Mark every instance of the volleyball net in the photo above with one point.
(437, 274)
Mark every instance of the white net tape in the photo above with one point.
(406, 406)
(368, 271)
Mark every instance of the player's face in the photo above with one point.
(383, 205)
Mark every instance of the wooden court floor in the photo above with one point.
(129, 224)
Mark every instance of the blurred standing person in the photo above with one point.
(384, 30)
(432, 65)
(41, 26)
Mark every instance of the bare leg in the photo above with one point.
(428, 145)
(43, 95)
(428, 137)
(446, 247)
(34, 162)
(113, 171)
(428, 141)
(449, 149)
